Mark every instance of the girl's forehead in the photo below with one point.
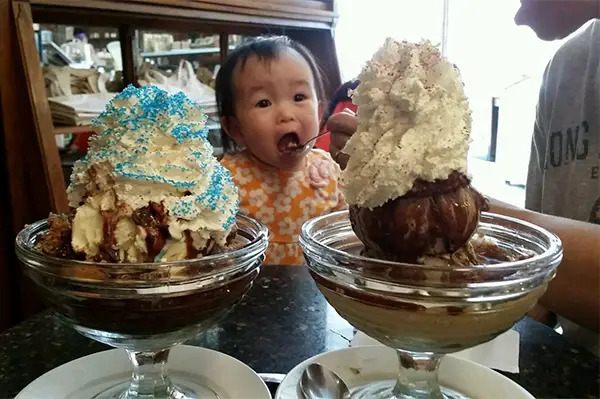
(287, 62)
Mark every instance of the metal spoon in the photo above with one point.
(318, 382)
(299, 149)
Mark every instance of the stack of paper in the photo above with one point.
(65, 81)
(78, 109)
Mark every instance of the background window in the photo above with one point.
(501, 65)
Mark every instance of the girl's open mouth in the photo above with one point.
(288, 143)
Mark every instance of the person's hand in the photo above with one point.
(341, 126)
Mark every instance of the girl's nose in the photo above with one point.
(285, 113)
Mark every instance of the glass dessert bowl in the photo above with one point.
(146, 308)
(426, 311)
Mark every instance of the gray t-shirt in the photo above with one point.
(563, 178)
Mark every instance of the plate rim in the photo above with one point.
(42, 379)
(524, 393)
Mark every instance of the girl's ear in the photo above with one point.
(320, 108)
(232, 127)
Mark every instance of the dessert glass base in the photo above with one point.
(390, 389)
(427, 311)
(145, 308)
(176, 388)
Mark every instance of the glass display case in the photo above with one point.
(86, 61)
(89, 51)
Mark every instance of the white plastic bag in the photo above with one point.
(184, 79)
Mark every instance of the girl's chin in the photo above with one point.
(291, 162)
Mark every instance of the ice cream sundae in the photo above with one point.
(406, 179)
(154, 249)
(149, 188)
(415, 263)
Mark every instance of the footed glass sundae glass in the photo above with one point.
(146, 308)
(425, 312)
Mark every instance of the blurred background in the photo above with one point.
(501, 64)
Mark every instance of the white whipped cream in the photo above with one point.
(413, 122)
(152, 147)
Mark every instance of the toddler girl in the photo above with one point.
(269, 95)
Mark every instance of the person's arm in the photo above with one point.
(575, 291)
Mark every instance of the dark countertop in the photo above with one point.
(293, 321)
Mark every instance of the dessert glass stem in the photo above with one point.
(418, 376)
(149, 377)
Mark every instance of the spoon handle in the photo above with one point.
(313, 139)
(301, 149)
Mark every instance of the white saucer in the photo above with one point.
(363, 364)
(84, 377)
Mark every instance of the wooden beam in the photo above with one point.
(66, 16)
(25, 195)
(223, 46)
(216, 13)
(9, 298)
(247, 6)
(126, 40)
(319, 5)
(42, 116)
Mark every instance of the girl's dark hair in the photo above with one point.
(266, 48)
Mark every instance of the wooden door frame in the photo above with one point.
(42, 117)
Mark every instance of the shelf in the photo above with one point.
(184, 51)
(58, 130)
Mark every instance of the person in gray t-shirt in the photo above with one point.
(563, 177)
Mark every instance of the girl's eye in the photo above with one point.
(299, 97)
(263, 103)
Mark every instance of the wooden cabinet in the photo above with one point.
(30, 168)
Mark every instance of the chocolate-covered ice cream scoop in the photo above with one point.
(433, 218)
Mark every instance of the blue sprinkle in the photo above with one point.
(139, 114)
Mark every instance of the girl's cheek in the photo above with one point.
(255, 114)
(260, 117)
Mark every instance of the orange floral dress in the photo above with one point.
(283, 200)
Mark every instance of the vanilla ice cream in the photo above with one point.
(413, 123)
(149, 182)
